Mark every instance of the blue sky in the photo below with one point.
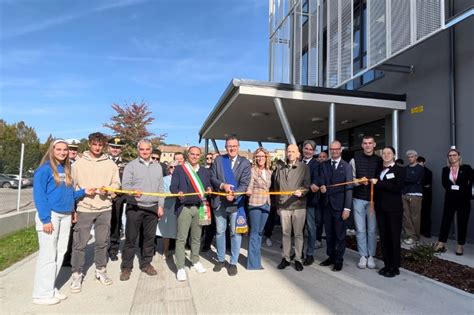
(64, 63)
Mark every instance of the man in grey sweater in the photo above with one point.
(294, 176)
(143, 212)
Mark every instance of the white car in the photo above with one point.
(25, 182)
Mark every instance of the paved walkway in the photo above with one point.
(314, 290)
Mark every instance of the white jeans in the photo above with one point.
(52, 248)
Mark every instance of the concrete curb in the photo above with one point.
(18, 264)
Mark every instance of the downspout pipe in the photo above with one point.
(452, 80)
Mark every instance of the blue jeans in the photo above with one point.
(222, 218)
(311, 225)
(258, 217)
(366, 226)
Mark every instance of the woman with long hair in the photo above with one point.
(54, 196)
(259, 205)
(457, 181)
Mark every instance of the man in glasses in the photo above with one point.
(155, 158)
(114, 151)
(338, 203)
(209, 160)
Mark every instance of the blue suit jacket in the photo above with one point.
(339, 197)
(242, 174)
(313, 198)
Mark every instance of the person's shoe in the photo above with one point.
(59, 295)
(283, 264)
(327, 262)
(459, 250)
(440, 248)
(181, 275)
(408, 241)
(199, 267)
(337, 267)
(206, 248)
(382, 271)
(298, 266)
(362, 262)
(113, 257)
(76, 282)
(149, 270)
(309, 260)
(102, 277)
(232, 271)
(125, 274)
(389, 273)
(318, 245)
(396, 271)
(371, 262)
(269, 242)
(218, 266)
(46, 301)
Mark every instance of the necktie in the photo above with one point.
(334, 165)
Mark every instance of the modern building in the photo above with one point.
(400, 70)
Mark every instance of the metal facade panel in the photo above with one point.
(400, 22)
(332, 43)
(346, 43)
(428, 17)
(377, 31)
(313, 43)
(297, 43)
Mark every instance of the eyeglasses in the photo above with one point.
(334, 149)
(154, 158)
(451, 155)
(260, 156)
(170, 167)
(209, 158)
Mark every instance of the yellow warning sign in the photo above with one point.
(417, 109)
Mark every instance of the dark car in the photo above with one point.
(7, 182)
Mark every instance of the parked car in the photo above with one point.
(7, 182)
(25, 182)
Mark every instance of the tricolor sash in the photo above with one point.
(241, 226)
(204, 208)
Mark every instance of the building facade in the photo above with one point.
(421, 48)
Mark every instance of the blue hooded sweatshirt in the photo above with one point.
(50, 197)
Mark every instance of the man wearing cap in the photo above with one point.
(412, 198)
(73, 146)
(114, 151)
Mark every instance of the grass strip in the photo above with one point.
(16, 246)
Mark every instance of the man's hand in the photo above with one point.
(323, 189)
(345, 214)
(314, 188)
(160, 212)
(298, 193)
(48, 228)
(364, 181)
(209, 190)
(228, 188)
(249, 193)
(230, 198)
(181, 195)
(137, 193)
(74, 217)
(102, 191)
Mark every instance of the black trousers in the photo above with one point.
(209, 232)
(335, 228)
(462, 214)
(270, 224)
(390, 229)
(116, 224)
(68, 253)
(139, 218)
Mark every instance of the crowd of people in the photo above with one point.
(190, 204)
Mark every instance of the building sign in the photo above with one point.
(417, 109)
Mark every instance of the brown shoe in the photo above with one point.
(149, 270)
(125, 274)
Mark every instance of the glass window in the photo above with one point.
(304, 71)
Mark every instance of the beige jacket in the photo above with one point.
(88, 172)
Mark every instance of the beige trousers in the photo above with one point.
(412, 216)
(292, 219)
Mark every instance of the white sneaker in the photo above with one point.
(199, 267)
(76, 282)
(102, 277)
(181, 275)
(408, 241)
(350, 232)
(318, 245)
(269, 242)
(371, 262)
(59, 295)
(47, 301)
(362, 262)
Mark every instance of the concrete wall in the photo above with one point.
(12, 222)
(429, 132)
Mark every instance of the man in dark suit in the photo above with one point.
(226, 207)
(338, 204)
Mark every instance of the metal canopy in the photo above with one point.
(247, 110)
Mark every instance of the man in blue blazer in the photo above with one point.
(338, 204)
(226, 207)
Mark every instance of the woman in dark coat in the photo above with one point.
(457, 180)
(389, 211)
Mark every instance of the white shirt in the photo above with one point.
(232, 161)
(337, 162)
(385, 171)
